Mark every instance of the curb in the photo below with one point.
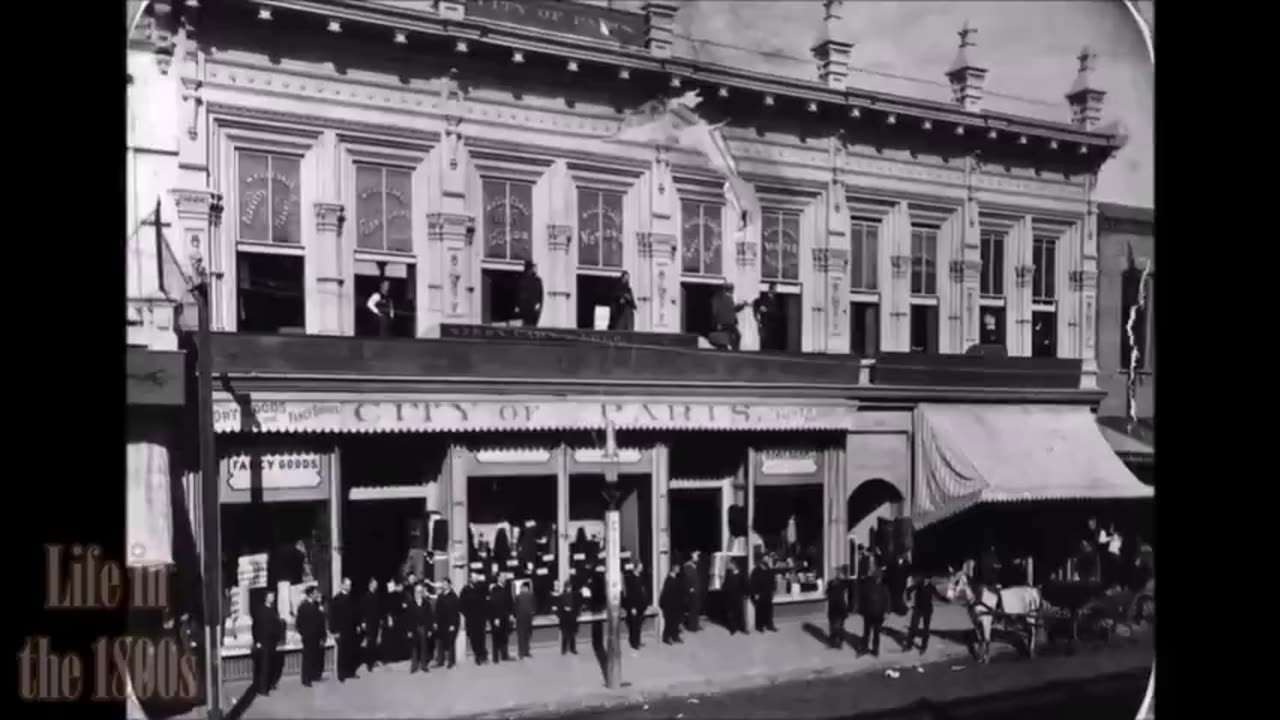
(606, 699)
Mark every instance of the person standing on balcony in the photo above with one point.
(529, 295)
(380, 305)
(622, 314)
(768, 313)
(724, 319)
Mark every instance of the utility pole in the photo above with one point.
(613, 560)
(210, 508)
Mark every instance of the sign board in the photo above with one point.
(578, 19)
(448, 415)
(270, 477)
(601, 319)
(251, 570)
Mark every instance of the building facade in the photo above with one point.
(308, 154)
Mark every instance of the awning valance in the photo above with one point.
(970, 454)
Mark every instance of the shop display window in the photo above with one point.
(280, 547)
(789, 529)
(587, 532)
(512, 532)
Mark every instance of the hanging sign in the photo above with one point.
(431, 415)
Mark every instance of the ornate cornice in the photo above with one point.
(1081, 279)
(330, 217)
(195, 204)
(656, 245)
(829, 259)
(559, 237)
(446, 226)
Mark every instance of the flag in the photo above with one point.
(604, 29)
(675, 123)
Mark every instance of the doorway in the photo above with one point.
(379, 535)
(695, 521)
(695, 304)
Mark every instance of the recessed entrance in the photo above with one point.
(695, 521)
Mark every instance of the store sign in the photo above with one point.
(624, 456)
(251, 571)
(789, 466)
(274, 472)
(572, 18)
(490, 416)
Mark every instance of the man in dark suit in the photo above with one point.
(768, 312)
(343, 624)
(420, 622)
(371, 623)
(567, 606)
(922, 593)
(693, 583)
(311, 628)
(762, 587)
(875, 605)
(525, 606)
(724, 319)
(268, 631)
(634, 603)
(475, 611)
(529, 293)
(672, 601)
(734, 591)
(837, 608)
(501, 608)
(448, 611)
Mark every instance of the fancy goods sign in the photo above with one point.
(439, 415)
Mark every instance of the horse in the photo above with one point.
(1016, 605)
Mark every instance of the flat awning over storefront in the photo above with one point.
(971, 454)
(370, 413)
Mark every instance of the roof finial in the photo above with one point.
(1085, 99)
(967, 31)
(966, 76)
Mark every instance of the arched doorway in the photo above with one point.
(871, 500)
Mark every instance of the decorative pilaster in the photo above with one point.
(747, 283)
(1089, 289)
(330, 219)
(658, 277)
(895, 333)
(449, 237)
(1018, 314)
(971, 260)
(561, 281)
(832, 265)
(951, 284)
(452, 270)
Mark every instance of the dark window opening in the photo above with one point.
(924, 329)
(399, 302)
(695, 300)
(865, 332)
(779, 328)
(992, 279)
(272, 296)
(924, 261)
(991, 326)
(594, 291)
(1043, 277)
(864, 263)
(1044, 333)
(499, 296)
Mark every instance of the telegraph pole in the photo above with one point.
(210, 508)
(613, 561)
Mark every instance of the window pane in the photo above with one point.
(1044, 334)
(253, 198)
(495, 219)
(770, 247)
(286, 204)
(399, 208)
(866, 329)
(791, 247)
(997, 265)
(924, 329)
(711, 240)
(991, 327)
(1050, 270)
(691, 237)
(589, 228)
(520, 217)
(871, 256)
(611, 229)
(369, 215)
(856, 271)
(931, 263)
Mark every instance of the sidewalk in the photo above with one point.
(709, 661)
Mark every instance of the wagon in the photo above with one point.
(1087, 608)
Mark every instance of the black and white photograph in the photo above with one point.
(636, 359)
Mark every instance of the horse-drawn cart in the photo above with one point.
(1092, 610)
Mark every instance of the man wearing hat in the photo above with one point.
(724, 319)
(311, 628)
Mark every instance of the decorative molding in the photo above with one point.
(1023, 273)
(962, 269)
(445, 226)
(829, 259)
(1080, 279)
(195, 204)
(901, 265)
(957, 271)
(656, 245)
(330, 217)
(747, 253)
(559, 237)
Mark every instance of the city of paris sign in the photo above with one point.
(465, 415)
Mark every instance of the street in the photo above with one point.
(1098, 682)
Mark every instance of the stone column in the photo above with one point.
(895, 312)
(831, 262)
(1018, 315)
(449, 271)
(1089, 291)
(970, 257)
(659, 274)
(450, 237)
(327, 306)
(557, 266)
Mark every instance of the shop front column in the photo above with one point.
(752, 463)
(335, 520)
(661, 543)
(458, 547)
(562, 514)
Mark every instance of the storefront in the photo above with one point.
(480, 487)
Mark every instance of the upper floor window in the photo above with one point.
(599, 229)
(384, 208)
(1044, 252)
(924, 261)
(508, 220)
(865, 238)
(991, 282)
(269, 203)
(780, 241)
(700, 238)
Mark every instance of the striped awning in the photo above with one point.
(971, 454)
